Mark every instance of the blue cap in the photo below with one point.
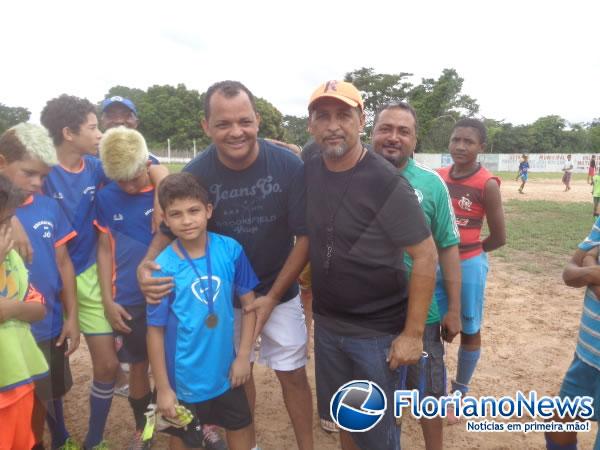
(118, 99)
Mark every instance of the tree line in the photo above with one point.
(174, 112)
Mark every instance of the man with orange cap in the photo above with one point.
(369, 315)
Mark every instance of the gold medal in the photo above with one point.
(211, 320)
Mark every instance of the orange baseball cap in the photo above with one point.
(342, 90)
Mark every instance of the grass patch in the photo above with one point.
(541, 234)
(542, 176)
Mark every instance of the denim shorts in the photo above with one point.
(429, 375)
(340, 359)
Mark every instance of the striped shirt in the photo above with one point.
(588, 341)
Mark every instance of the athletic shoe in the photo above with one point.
(122, 391)
(138, 443)
(212, 439)
(70, 444)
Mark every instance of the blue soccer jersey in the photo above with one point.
(76, 194)
(127, 219)
(199, 358)
(47, 228)
(588, 342)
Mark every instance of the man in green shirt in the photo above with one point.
(395, 138)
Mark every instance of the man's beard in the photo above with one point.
(397, 160)
(334, 153)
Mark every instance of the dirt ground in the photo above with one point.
(529, 336)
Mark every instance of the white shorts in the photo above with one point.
(283, 338)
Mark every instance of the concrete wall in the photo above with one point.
(509, 162)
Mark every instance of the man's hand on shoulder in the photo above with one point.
(153, 288)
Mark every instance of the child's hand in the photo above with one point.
(70, 331)
(240, 372)
(166, 401)
(117, 315)
(6, 240)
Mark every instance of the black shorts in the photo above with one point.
(131, 347)
(429, 374)
(230, 410)
(59, 379)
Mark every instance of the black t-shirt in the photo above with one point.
(262, 207)
(364, 293)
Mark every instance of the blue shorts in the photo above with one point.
(472, 296)
(340, 359)
(523, 176)
(582, 379)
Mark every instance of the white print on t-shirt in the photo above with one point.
(262, 188)
(200, 289)
(465, 203)
(47, 229)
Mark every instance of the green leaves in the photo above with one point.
(10, 116)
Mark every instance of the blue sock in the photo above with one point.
(467, 361)
(56, 422)
(550, 445)
(100, 400)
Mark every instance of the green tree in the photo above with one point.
(435, 99)
(12, 115)
(296, 129)
(378, 89)
(271, 120)
(547, 135)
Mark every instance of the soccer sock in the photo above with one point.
(467, 361)
(100, 400)
(139, 407)
(56, 422)
(550, 445)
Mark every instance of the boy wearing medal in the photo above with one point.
(191, 332)
(124, 211)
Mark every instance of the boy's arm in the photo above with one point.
(295, 262)
(166, 398)
(240, 369)
(21, 241)
(450, 263)
(68, 297)
(30, 310)
(583, 270)
(114, 312)
(157, 172)
(492, 204)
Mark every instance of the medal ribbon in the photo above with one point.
(209, 298)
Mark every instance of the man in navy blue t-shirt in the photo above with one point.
(258, 194)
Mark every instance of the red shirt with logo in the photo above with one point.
(468, 193)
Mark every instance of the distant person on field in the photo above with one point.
(596, 193)
(568, 170)
(523, 170)
(592, 169)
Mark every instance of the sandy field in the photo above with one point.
(528, 334)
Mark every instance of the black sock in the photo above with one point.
(139, 406)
